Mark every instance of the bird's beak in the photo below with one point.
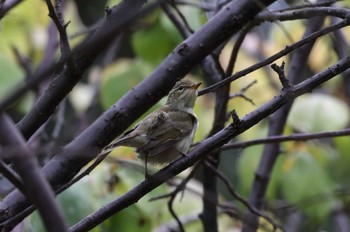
(195, 86)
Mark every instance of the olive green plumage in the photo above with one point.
(168, 132)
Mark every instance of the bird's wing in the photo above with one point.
(138, 136)
(176, 126)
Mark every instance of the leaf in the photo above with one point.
(247, 164)
(156, 42)
(129, 220)
(10, 75)
(339, 166)
(81, 97)
(305, 183)
(318, 112)
(120, 78)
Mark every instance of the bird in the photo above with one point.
(168, 132)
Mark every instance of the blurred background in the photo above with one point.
(309, 186)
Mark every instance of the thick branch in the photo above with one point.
(37, 187)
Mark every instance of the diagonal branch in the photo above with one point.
(308, 39)
(37, 186)
(287, 138)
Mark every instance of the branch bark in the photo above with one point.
(37, 188)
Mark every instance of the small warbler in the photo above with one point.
(167, 133)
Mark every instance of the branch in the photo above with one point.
(37, 187)
(287, 138)
(280, 71)
(209, 144)
(242, 95)
(12, 177)
(66, 52)
(251, 208)
(180, 187)
(276, 56)
(7, 6)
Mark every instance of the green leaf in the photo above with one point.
(10, 75)
(318, 112)
(120, 78)
(305, 183)
(156, 42)
(247, 164)
(129, 220)
(339, 165)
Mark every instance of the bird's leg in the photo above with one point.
(181, 153)
(147, 176)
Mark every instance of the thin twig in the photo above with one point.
(12, 176)
(251, 208)
(23, 61)
(56, 14)
(276, 56)
(242, 91)
(282, 76)
(287, 138)
(84, 173)
(179, 188)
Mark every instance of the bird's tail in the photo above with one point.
(109, 148)
(112, 146)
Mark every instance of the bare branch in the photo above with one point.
(242, 200)
(242, 91)
(12, 177)
(7, 6)
(287, 138)
(57, 18)
(280, 71)
(37, 186)
(287, 50)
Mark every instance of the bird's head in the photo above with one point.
(183, 95)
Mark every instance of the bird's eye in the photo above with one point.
(181, 87)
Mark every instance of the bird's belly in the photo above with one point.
(169, 155)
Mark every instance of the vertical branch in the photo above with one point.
(276, 126)
(37, 187)
(57, 16)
